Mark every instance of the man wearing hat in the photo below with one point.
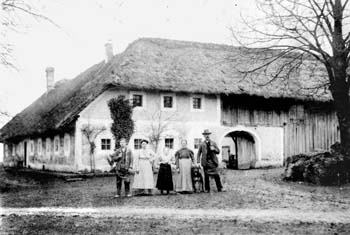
(209, 161)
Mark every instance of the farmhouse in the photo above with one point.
(184, 87)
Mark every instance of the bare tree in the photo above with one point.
(91, 132)
(159, 124)
(294, 33)
(14, 15)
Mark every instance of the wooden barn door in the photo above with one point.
(246, 155)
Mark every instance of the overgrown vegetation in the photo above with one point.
(121, 114)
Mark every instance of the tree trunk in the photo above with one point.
(340, 92)
(339, 78)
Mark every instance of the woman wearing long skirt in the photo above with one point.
(184, 161)
(143, 179)
(165, 178)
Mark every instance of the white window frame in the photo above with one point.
(194, 142)
(133, 143)
(66, 144)
(54, 144)
(48, 145)
(106, 138)
(143, 94)
(40, 147)
(21, 148)
(202, 103)
(169, 137)
(162, 102)
(17, 152)
(31, 147)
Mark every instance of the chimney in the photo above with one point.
(109, 51)
(50, 78)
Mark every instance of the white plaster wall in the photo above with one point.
(82, 154)
(271, 146)
(176, 130)
(211, 112)
(188, 125)
(268, 143)
(182, 123)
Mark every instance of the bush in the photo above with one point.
(322, 168)
(121, 114)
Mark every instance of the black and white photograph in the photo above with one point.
(174, 117)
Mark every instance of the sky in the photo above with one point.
(86, 25)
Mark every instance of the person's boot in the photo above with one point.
(118, 193)
(127, 189)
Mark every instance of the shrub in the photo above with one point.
(121, 114)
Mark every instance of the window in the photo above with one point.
(137, 143)
(168, 102)
(66, 144)
(40, 146)
(31, 147)
(56, 144)
(169, 142)
(137, 100)
(197, 103)
(197, 143)
(48, 145)
(105, 144)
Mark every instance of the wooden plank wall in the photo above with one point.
(304, 129)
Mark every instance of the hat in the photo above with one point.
(144, 141)
(206, 132)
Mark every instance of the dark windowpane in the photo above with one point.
(197, 103)
(169, 142)
(105, 144)
(197, 142)
(137, 143)
(137, 100)
(168, 101)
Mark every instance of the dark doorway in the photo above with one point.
(241, 150)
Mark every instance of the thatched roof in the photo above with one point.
(163, 65)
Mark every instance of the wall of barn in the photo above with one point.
(306, 126)
(48, 152)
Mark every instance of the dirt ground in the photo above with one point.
(251, 190)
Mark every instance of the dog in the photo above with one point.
(197, 179)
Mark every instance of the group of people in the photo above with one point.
(174, 172)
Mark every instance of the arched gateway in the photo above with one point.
(241, 148)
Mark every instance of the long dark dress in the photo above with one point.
(165, 178)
